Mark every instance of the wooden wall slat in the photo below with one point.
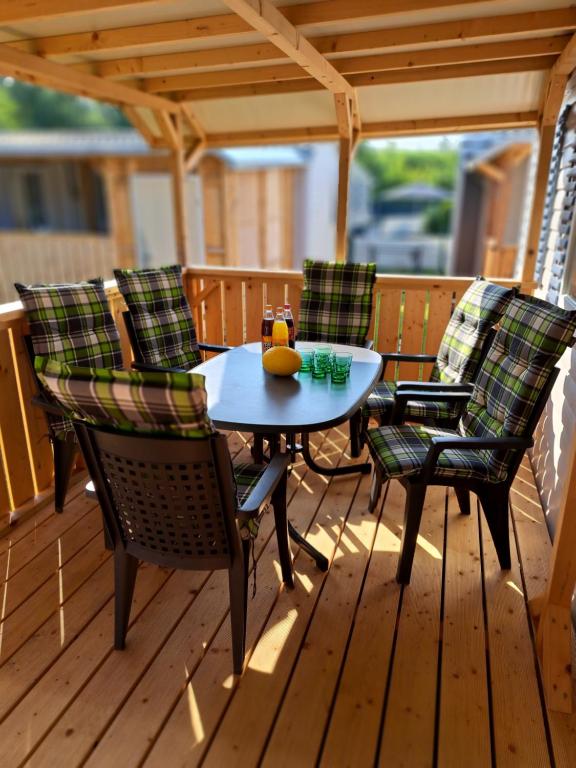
(233, 312)
(254, 302)
(213, 313)
(16, 455)
(386, 332)
(439, 311)
(413, 327)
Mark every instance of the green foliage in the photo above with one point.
(438, 219)
(24, 106)
(392, 167)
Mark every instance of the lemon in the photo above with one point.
(281, 361)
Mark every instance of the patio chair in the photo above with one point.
(159, 320)
(465, 341)
(71, 323)
(164, 479)
(336, 308)
(485, 450)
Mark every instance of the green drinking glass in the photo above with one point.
(341, 366)
(322, 362)
(307, 355)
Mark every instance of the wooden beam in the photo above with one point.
(535, 64)
(343, 110)
(406, 61)
(268, 20)
(567, 60)
(138, 121)
(193, 122)
(491, 172)
(461, 32)
(376, 130)
(39, 71)
(178, 168)
(15, 10)
(556, 87)
(195, 155)
(224, 25)
(344, 163)
(172, 137)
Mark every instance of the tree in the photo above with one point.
(438, 218)
(29, 106)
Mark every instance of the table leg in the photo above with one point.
(318, 557)
(330, 471)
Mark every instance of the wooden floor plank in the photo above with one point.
(33, 717)
(352, 736)
(464, 722)
(518, 718)
(83, 723)
(274, 656)
(210, 672)
(535, 548)
(408, 733)
(299, 728)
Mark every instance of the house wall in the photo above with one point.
(556, 431)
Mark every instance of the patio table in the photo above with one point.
(243, 396)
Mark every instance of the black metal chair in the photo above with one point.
(166, 485)
(483, 454)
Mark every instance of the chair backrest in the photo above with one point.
(462, 345)
(167, 498)
(164, 332)
(71, 323)
(336, 303)
(507, 396)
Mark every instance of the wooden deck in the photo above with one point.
(348, 669)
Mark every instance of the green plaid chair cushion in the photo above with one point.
(401, 451)
(533, 335)
(131, 401)
(161, 316)
(336, 303)
(381, 401)
(479, 309)
(71, 323)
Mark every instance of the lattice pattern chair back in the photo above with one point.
(164, 329)
(336, 303)
(479, 309)
(533, 335)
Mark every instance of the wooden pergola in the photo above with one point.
(238, 72)
(213, 73)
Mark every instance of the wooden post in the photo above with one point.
(342, 206)
(552, 102)
(178, 169)
(552, 609)
(116, 175)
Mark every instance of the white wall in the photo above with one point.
(154, 222)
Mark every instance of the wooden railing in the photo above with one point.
(53, 257)
(409, 314)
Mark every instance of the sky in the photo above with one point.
(420, 142)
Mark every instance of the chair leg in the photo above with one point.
(238, 584)
(125, 567)
(281, 521)
(415, 495)
(495, 504)
(355, 430)
(257, 449)
(463, 496)
(64, 456)
(375, 489)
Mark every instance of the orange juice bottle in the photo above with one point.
(279, 330)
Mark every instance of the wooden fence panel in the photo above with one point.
(234, 312)
(254, 303)
(413, 330)
(213, 312)
(387, 324)
(439, 311)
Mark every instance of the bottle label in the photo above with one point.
(266, 343)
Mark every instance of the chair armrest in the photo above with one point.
(148, 368)
(401, 357)
(272, 475)
(440, 444)
(402, 397)
(433, 386)
(214, 347)
(369, 344)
